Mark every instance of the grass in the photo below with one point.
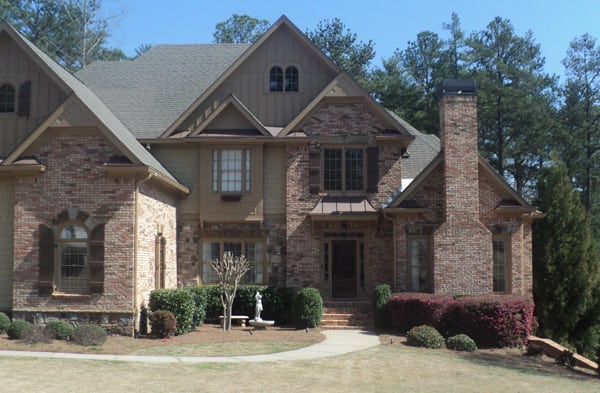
(386, 368)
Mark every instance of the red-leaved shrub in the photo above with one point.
(492, 320)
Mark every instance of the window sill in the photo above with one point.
(231, 197)
(71, 297)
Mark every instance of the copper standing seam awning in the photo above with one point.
(343, 208)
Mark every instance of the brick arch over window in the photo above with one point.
(48, 245)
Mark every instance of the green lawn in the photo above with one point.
(386, 368)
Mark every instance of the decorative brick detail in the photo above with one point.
(73, 182)
(303, 237)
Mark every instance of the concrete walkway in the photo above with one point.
(337, 342)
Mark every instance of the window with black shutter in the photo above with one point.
(46, 260)
(24, 106)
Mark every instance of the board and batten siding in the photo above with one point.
(250, 82)
(7, 203)
(184, 164)
(16, 68)
(275, 187)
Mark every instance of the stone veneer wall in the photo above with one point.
(72, 180)
(190, 237)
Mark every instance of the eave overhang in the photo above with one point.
(144, 171)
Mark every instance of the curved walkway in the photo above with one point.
(337, 342)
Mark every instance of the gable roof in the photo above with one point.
(283, 21)
(343, 87)
(150, 92)
(111, 126)
(232, 101)
(496, 178)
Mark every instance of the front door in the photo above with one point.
(343, 269)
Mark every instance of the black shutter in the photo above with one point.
(46, 260)
(24, 99)
(372, 168)
(314, 169)
(96, 259)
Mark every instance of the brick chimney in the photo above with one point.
(458, 133)
(462, 244)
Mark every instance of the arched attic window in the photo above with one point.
(291, 79)
(276, 79)
(7, 98)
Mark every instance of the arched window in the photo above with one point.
(7, 98)
(276, 79)
(291, 79)
(73, 257)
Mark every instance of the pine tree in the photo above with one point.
(565, 269)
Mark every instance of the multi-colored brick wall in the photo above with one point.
(303, 238)
(73, 182)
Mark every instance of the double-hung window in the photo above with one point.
(501, 267)
(231, 171)
(73, 257)
(419, 265)
(343, 169)
(214, 250)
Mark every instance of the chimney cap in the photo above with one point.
(456, 87)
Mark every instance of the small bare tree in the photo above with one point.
(230, 270)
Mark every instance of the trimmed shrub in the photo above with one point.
(278, 302)
(200, 297)
(492, 320)
(163, 323)
(408, 310)
(17, 328)
(36, 334)
(60, 330)
(461, 342)
(180, 302)
(425, 336)
(89, 334)
(214, 307)
(308, 308)
(380, 309)
(4, 322)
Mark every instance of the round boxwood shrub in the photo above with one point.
(17, 328)
(180, 302)
(380, 309)
(89, 334)
(59, 330)
(308, 308)
(4, 322)
(36, 334)
(163, 323)
(461, 342)
(425, 336)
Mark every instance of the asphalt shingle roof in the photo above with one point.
(149, 93)
(423, 149)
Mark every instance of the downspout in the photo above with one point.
(394, 251)
(136, 310)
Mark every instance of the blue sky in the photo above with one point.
(389, 23)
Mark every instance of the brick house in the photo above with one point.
(131, 176)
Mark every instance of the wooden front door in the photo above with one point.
(344, 282)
